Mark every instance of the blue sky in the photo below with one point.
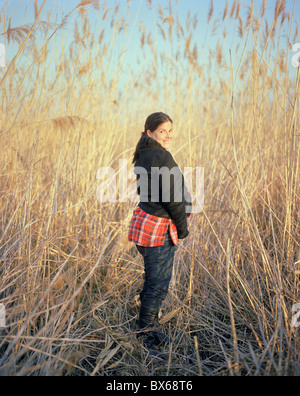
(141, 14)
(26, 10)
(22, 12)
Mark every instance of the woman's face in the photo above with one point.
(163, 134)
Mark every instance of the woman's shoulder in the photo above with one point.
(164, 158)
(152, 154)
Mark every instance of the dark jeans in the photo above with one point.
(158, 263)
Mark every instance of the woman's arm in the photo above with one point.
(175, 195)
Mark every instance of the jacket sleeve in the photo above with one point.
(174, 194)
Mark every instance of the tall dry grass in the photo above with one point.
(68, 277)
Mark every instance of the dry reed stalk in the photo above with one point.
(238, 9)
(72, 312)
(226, 10)
(233, 9)
(198, 356)
(211, 11)
(233, 325)
(263, 8)
(28, 34)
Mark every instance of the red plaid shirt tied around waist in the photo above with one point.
(150, 231)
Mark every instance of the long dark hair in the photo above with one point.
(151, 124)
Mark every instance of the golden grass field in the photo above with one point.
(68, 276)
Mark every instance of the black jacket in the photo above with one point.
(161, 185)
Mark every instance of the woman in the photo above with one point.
(159, 221)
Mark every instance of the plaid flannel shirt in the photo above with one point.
(150, 231)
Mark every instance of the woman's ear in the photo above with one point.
(148, 133)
